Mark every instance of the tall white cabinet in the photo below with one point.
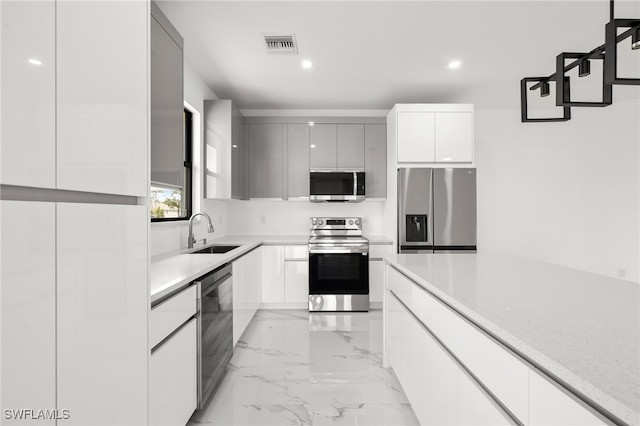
(74, 289)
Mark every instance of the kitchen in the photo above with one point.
(561, 193)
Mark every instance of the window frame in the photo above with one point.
(188, 170)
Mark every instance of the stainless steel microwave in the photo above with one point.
(330, 185)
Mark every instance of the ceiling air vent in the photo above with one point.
(281, 44)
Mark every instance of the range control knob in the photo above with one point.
(320, 222)
(314, 222)
(357, 221)
(350, 221)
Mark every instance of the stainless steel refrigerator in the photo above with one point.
(436, 210)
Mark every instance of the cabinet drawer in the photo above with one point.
(497, 368)
(173, 378)
(377, 251)
(170, 314)
(408, 293)
(296, 252)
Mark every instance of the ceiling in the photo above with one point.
(373, 54)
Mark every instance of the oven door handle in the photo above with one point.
(339, 250)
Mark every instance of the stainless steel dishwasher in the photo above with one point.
(215, 330)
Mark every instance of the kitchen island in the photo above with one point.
(581, 331)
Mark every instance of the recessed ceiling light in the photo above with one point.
(35, 62)
(312, 146)
(306, 64)
(311, 123)
(454, 65)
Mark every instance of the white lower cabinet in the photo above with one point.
(548, 405)
(424, 368)
(427, 374)
(296, 281)
(28, 307)
(376, 271)
(173, 378)
(102, 308)
(247, 290)
(475, 407)
(272, 274)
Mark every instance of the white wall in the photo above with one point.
(292, 217)
(566, 193)
(169, 236)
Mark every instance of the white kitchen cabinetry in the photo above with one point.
(350, 147)
(247, 290)
(28, 310)
(167, 102)
(101, 93)
(225, 151)
(173, 378)
(375, 160)
(548, 405)
(434, 133)
(102, 307)
(272, 274)
(482, 363)
(377, 271)
(297, 161)
(266, 160)
(337, 147)
(296, 274)
(27, 121)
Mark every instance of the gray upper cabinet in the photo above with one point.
(350, 146)
(375, 160)
(239, 158)
(323, 144)
(297, 160)
(167, 116)
(266, 160)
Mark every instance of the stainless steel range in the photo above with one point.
(338, 265)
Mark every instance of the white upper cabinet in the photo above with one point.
(324, 146)
(350, 147)
(225, 151)
(102, 91)
(167, 102)
(416, 137)
(434, 133)
(454, 137)
(27, 155)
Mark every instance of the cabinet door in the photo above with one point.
(239, 297)
(416, 137)
(28, 311)
(173, 378)
(548, 405)
(27, 120)
(254, 272)
(475, 407)
(375, 160)
(239, 157)
(296, 281)
(218, 132)
(102, 90)
(428, 375)
(454, 137)
(297, 160)
(376, 280)
(273, 274)
(102, 307)
(266, 160)
(323, 144)
(351, 146)
(167, 108)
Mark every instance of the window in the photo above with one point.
(171, 203)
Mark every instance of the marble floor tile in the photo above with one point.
(296, 368)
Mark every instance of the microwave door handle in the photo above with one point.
(355, 183)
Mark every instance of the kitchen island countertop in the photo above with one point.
(581, 327)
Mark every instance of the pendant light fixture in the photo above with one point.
(616, 30)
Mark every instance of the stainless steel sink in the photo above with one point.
(215, 249)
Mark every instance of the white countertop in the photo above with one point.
(581, 327)
(171, 271)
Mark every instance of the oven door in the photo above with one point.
(338, 271)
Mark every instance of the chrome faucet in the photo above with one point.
(192, 238)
